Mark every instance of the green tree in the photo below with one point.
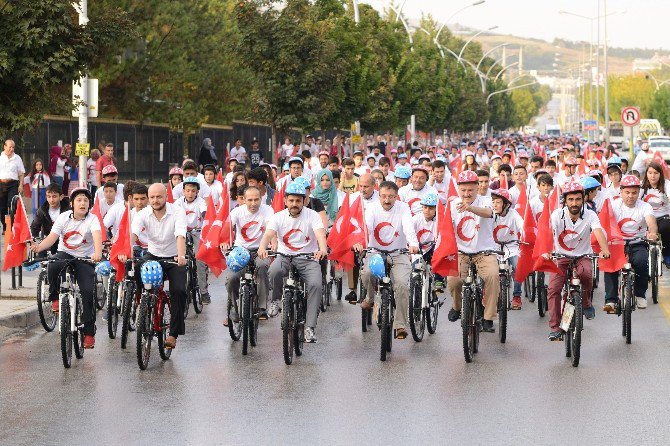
(660, 106)
(44, 50)
(524, 106)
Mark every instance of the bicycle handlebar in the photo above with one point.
(486, 252)
(557, 256)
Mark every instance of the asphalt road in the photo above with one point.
(338, 392)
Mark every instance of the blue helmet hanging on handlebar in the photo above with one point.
(377, 267)
(237, 259)
(152, 273)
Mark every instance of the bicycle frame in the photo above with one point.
(423, 268)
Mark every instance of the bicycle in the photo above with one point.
(541, 287)
(71, 322)
(530, 287)
(572, 319)
(366, 315)
(472, 309)
(423, 301)
(655, 269)
(192, 287)
(294, 308)
(131, 301)
(596, 273)
(248, 297)
(100, 291)
(48, 318)
(114, 304)
(626, 301)
(504, 304)
(326, 290)
(153, 319)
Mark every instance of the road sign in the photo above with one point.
(630, 116)
(356, 139)
(82, 149)
(590, 126)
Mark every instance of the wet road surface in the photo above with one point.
(338, 392)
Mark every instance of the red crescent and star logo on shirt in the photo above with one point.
(244, 230)
(630, 227)
(573, 236)
(460, 227)
(500, 228)
(411, 202)
(378, 230)
(421, 234)
(73, 240)
(287, 239)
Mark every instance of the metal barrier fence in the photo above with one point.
(145, 152)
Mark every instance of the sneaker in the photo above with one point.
(556, 336)
(55, 306)
(516, 303)
(454, 315)
(610, 307)
(351, 297)
(487, 326)
(89, 341)
(274, 308)
(262, 314)
(590, 313)
(206, 299)
(310, 338)
(641, 303)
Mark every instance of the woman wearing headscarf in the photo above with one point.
(326, 192)
(57, 162)
(207, 154)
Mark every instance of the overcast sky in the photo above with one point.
(640, 24)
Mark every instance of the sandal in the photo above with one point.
(400, 333)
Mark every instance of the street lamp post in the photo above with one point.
(405, 25)
(489, 52)
(454, 15)
(607, 90)
(504, 90)
(460, 55)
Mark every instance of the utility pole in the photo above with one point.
(83, 109)
(597, 76)
(607, 91)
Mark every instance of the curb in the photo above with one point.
(21, 320)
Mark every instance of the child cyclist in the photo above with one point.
(507, 227)
(195, 208)
(78, 234)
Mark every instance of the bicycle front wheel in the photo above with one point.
(576, 328)
(246, 318)
(385, 346)
(145, 332)
(417, 317)
(100, 293)
(503, 306)
(112, 309)
(628, 304)
(288, 327)
(127, 310)
(164, 321)
(78, 335)
(47, 316)
(469, 324)
(65, 331)
(653, 276)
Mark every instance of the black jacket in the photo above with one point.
(42, 222)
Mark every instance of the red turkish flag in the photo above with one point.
(614, 240)
(121, 246)
(15, 250)
(339, 230)
(219, 176)
(456, 165)
(278, 199)
(582, 169)
(210, 216)
(357, 230)
(452, 194)
(544, 243)
(96, 211)
(525, 263)
(659, 159)
(521, 202)
(445, 256)
(503, 182)
(218, 231)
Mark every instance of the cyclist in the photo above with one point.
(417, 189)
(109, 175)
(215, 186)
(113, 217)
(249, 222)
(635, 219)
(402, 175)
(390, 228)
(545, 184)
(140, 199)
(191, 170)
(299, 231)
(655, 190)
(295, 166)
(47, 214)
(195, 208)
(507, 227)
(439, 179)
(164, 225)
(569, 173)
(425, 226)
(591, 188)
(572, 226)
(176, 176)
(472, 217)
(78, 234)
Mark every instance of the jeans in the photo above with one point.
(664, 231)
(84, 275)
(639, 259)
(310, 273)
(261, 278)
(59, 181)
(488, 270)
(514, 260)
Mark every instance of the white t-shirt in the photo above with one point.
(514, 193)
(296, 235)
(536, 206)
(443, 187)
(390, 230)
(74, 236)
(413, 197)
(142, 241)
(473, 233)
(249, 228)
(613, 193)
(366, 201)
(238, 153)
(204, 192)
(425, 230)
(54, 213)
(573, 238)
(11, 168)
(632, 221)
(105, 207)
(194, 212)
(112, 218)
(215, 189)
(287, 150)
(362, 170)
(506, 229)
(658, 200)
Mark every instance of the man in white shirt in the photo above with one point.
(635, 219)
(390, 229)
(472, 218)
(571, 227)
(416, 189)
(165, 228)
(298, 230)
(11, 176)
(642, 160)
(249, 222)
(238, 152)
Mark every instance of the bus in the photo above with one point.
(616, 132)
(553, 130)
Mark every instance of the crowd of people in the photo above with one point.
(485, 185)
